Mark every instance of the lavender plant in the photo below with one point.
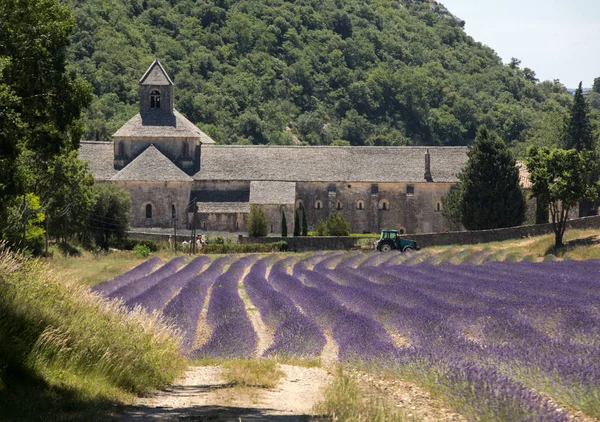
(107, 287)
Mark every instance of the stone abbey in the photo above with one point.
(167, 165)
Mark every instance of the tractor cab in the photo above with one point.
(391, 239)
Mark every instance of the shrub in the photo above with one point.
(141, 250)
(337, 225)
(280, 246)
(321, 228)
(257, 222)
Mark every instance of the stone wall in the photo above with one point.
(186, 158)
(301, 244)
(161, 196)
(370, 208)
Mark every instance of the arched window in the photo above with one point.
(173, 212)
(438, 206)
(384, 204)
(155, 99)
(299, 203)
(360, 204)
(318, 205)
(149, 211)
(120, 149)
(204, 225)
(186, 149)
(339, 205)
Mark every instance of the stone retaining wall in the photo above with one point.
(313, 243)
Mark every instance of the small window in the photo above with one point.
(374, 189)
(339, 205)
(318, 205)
(120, 149)
(438, 206)
(360, 204)
(331, 188)
(271, 228)
(155, 99)
(204, 225)
(410, 189)
(173, 211)
(299, 203)
(384, 204)
(148, 211)
(186, 149)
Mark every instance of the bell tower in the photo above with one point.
(156, 96)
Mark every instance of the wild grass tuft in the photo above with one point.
(62, 334)
(345, 402)
(263, 373)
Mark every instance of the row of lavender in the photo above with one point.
(488, 334)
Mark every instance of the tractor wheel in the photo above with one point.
(408, 249)
(386, 247)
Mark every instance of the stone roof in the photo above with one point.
(523, 175)
(156, 75)
(330, 164)
(100, 157)
(272, 192)
(177, 127)
(223, 207)
(152, 166)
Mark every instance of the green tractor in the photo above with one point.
(391, 239)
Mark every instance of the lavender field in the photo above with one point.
(498, 341)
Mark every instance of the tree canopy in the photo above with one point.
(489, 195)
(579, 133)
(310, 72)
(40, 106)
(563, 179)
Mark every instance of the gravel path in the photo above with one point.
(202, 394)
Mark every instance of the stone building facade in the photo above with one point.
(169, 165)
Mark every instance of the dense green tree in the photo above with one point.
(256, 222)
(563, 179)
(304, 226)
(109, 220)
(596, 86)
(451, 206)
(337, 225)
(490, 194)
(275, 73)
(40, 100)
(284, 232)
(297, 231)
(579, 133)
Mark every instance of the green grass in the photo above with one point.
(67, 353)
(257, 373)
(344, 401)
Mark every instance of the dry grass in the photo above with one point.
(344, 402)
(263, 373)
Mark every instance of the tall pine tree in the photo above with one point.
(283, 224)
(579, 134)
(304, 222)
(296, 223)
(490, 195)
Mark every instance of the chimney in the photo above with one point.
(428, 166)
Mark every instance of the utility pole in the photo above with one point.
(174, 217)
(195, 208)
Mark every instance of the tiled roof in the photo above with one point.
(223, 207)
(329, 164)
(100, 157)
(156, 75)
(272, 192)
(178, 127)
(152, 166)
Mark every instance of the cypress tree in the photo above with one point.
(490, 194)
(283, 224)
(304, 222)
(296, 223)
(579, 134)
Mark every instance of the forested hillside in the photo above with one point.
(376, 72)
